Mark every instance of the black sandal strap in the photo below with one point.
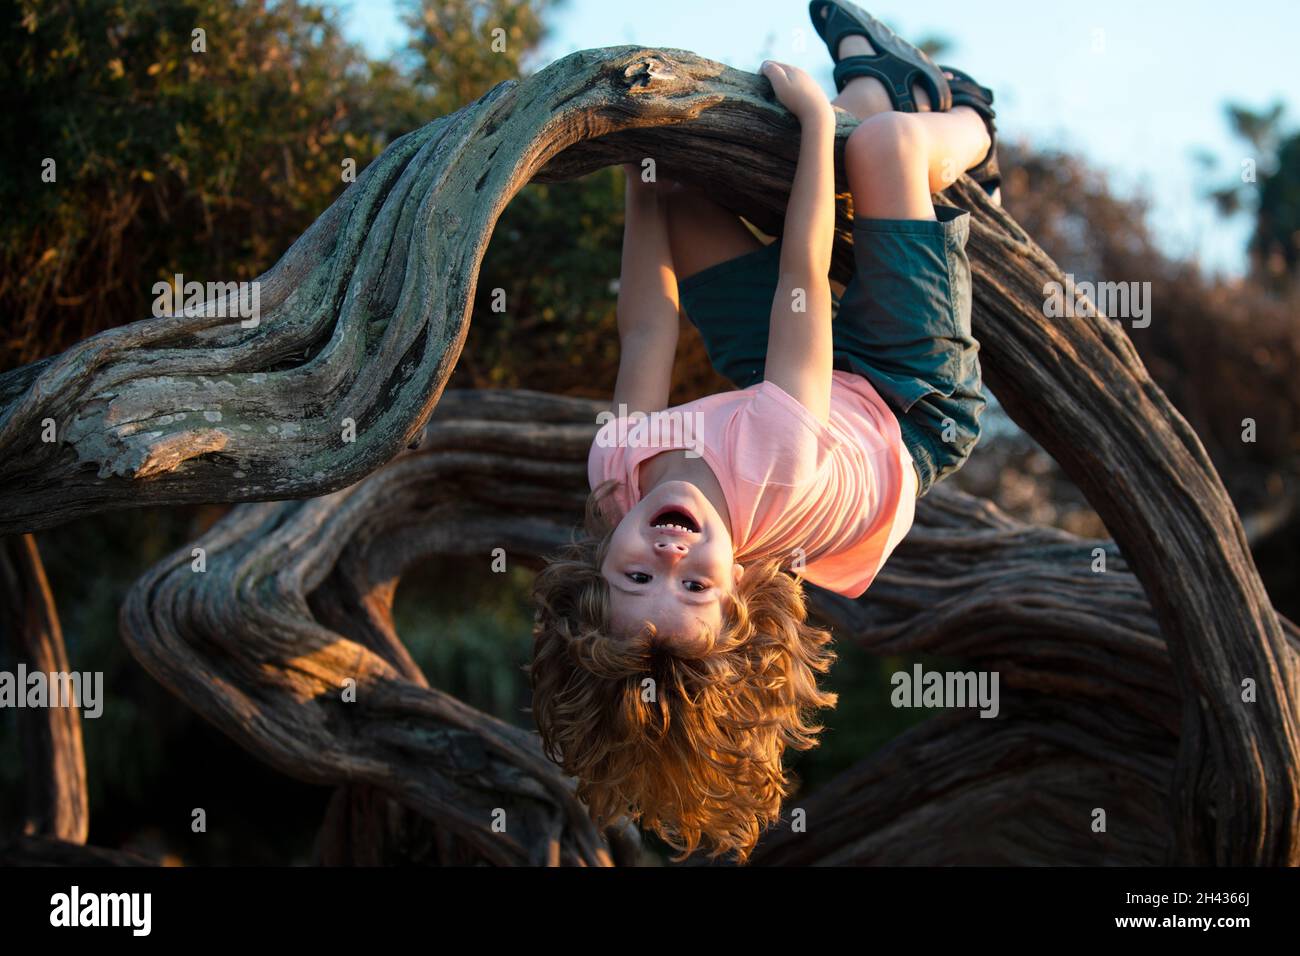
(835, 27)
(896, 76)
(896, 63)
(967, 92)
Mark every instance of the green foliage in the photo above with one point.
(555, 255)
(469, 628)
(461, 50)
(1276, 241)
(1271, 195)
(170, 159)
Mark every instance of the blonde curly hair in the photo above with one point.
(689, 746)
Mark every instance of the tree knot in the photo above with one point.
(647, 72)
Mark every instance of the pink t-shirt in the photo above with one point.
(844, 492)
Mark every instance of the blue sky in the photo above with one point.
(1136, 86)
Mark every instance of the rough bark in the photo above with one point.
(54, 763)
(366, 314)
(1089, 711)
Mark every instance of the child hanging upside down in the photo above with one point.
(673, 660)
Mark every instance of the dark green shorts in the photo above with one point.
(903, 324)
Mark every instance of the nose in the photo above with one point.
(670, 551)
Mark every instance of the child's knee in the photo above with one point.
(887, 137)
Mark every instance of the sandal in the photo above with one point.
(966, 92)
(896, 63)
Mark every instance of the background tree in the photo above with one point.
(1268, 189)
(169, 160)
(458, 51)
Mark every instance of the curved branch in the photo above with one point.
(1086, 676)
(1078, 387)
(54, 761)
(361, 321)
(367, 312)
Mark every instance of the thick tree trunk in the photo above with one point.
(364, 319)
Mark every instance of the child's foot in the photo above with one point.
(864, 95)
(881, 55)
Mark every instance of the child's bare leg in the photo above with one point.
(935, 148)
(701, 233)
(895, 161)
(956, 140)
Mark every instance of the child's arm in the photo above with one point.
(799, 349)
(647, 302)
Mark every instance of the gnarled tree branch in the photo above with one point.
(54, 762)
(365, 318)
(1087, 690)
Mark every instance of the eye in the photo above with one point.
(695, 586)
(638, 577)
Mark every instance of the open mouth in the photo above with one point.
(674, 519)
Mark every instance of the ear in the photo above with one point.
(737, 572)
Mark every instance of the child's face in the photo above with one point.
(670, 562)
